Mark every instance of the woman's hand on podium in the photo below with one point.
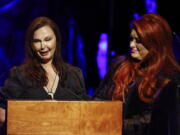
(2, 116)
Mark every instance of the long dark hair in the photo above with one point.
(32, 64)
(156, 35)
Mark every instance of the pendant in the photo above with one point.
(51, 94)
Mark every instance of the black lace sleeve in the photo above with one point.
(136, 113)
(137, 125)
(163, 117)
(166, 110)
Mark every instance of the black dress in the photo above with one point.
(140, 118)
(19, 87)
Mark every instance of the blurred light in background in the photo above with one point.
(150, 6)
(6, 5)
(113, 53)
(102, 55)
(136, 16)
(81, 60)
(70, 41)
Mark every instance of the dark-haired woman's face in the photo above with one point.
(44, 43)
(138, 50)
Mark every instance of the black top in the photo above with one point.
(70, 87)
(140, 118)
(18, 86)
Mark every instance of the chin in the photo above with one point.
(45, 59)
(135, 56)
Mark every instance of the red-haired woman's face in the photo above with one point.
(138, 50)
(44, 43)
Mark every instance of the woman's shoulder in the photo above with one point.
(106, 87)
(68, 68)
(117, 60)
(18, 73)
(17, 70)
(114, 64)
(16, 76)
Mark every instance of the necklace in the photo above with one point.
(50, 92)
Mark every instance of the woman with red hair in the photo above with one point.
(146, 81)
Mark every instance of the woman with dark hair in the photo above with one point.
(43, 75)
(146, 81)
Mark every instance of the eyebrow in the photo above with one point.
(48, 36)
(35, 39)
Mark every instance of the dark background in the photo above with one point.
(86, 19)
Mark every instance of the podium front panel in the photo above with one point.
(64, 118)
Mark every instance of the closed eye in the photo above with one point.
(36, 40)
(48, 38)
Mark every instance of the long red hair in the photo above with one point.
(156, 35)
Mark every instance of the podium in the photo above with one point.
(64, 117)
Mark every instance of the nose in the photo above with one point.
(43, 45)
(132, 44)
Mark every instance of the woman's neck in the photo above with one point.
(48, 66)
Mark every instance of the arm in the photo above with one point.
(166, 111)
(2, 116)
(14, 85)
(12, 89)
(178, 109)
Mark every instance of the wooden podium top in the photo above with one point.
(64, 118)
